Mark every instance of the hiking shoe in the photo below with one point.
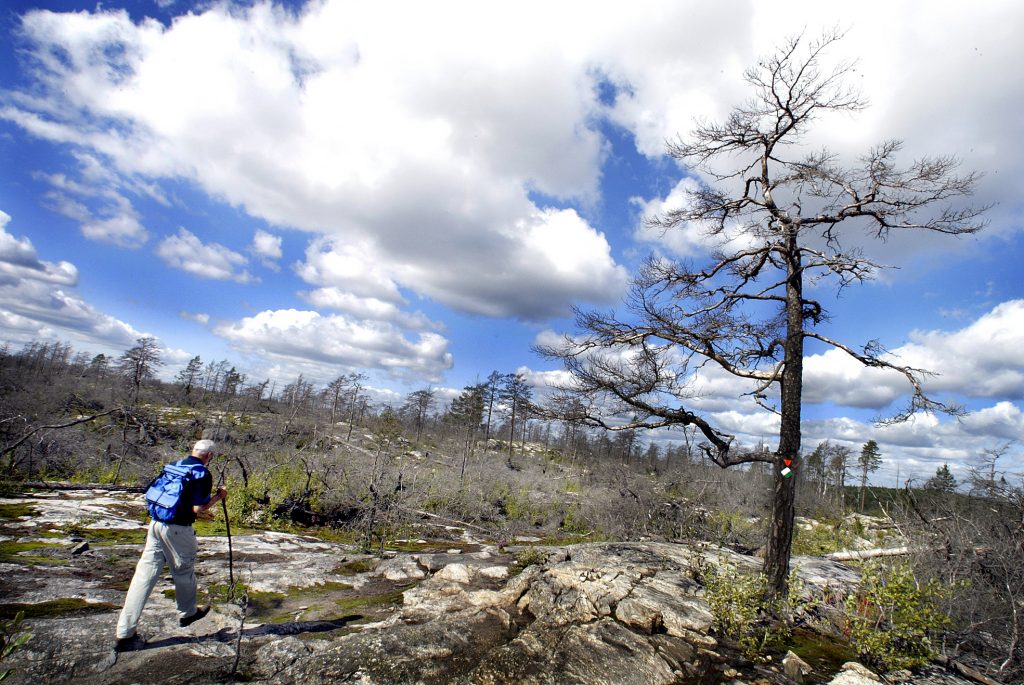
(189, 620)
(128, 644)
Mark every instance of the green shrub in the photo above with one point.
(574, 522)
(243, 501)
(823, 538)
(891, 618)
(744, 615)
(528, 557)
(12, 637)
(733, 527)
(517, 506)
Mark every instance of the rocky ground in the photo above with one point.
(449, 610)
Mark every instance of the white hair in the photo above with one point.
(204, 447)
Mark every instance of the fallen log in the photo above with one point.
(50, 485)
(966, 671)
(446, 519)
(859, 554)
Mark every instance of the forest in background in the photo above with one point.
(328, 460)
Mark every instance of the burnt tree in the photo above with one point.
(775, 217)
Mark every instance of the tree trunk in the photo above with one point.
(512, 435)
(780, 535)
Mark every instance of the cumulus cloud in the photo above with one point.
(187, 252)
(834, 376)
(1003, 420)
(690, 239)
(353, 268)
(336, 341)
(431, 175)
(367, 308)
(267, 247)
(36, 303)
(983, 359)
(123, 230)
(532, 269)
(19, 260)
(916, 448)
(469, 174)
(35, 310)
(444, 168)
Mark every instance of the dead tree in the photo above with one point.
(777, 219)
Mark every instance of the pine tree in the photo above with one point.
(188, 376)
(942, 481)
(870, 460)
(466, 414)
(517, 394)
(139, 364)
(492, 391)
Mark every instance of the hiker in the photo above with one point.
(174, 498)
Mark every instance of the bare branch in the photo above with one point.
(15, 445)
(871, 356)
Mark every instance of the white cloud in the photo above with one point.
(438, 167)
(35, 303)
(531, 269)
(546, 380)
(267, 247)
(343, 138)
(834, 376)
(447, 175)
(367, 308)
(352, 268)
(67, 206)
(186, 252)
(114, 219)
(172, 359)
(690, 239)
(19, 260)
(918, 447)
(198, 317)
(35, 310)
(1004, 420)
(748, 427)
(123, 230)
(334, 343)
(983, 359)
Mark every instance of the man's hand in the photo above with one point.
(222, 493)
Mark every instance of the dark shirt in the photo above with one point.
(196, 493)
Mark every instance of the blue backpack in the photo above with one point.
(163, 496)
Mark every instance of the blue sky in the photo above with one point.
(422, 194)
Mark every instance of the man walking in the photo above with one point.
(172, 541)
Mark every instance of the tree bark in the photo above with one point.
(780, 534)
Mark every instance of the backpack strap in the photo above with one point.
(186, 471)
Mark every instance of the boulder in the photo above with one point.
(458, 573)
(855, 674)
(401, 568)
(795, 668)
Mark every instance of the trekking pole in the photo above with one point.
(227, 526)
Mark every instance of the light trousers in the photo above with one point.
(165, 543)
